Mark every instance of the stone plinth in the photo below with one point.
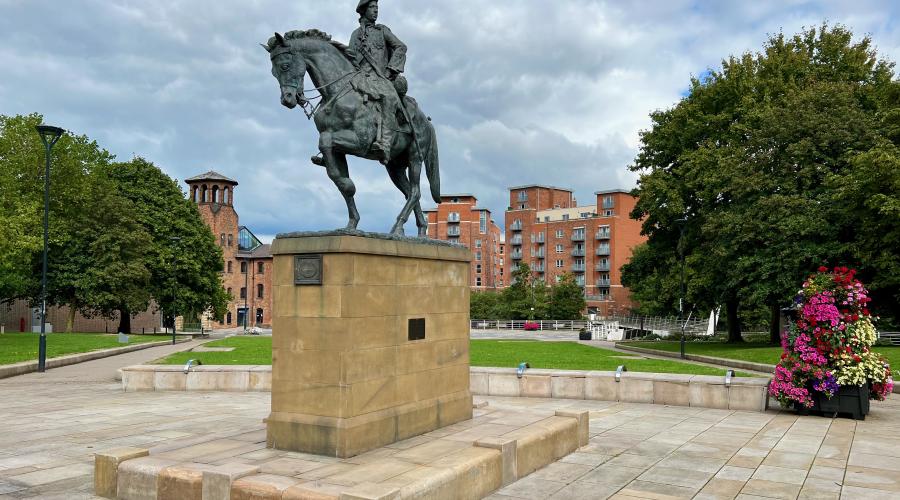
(370, 342)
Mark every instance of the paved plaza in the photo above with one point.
(53, 423)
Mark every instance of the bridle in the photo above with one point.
(310, 109)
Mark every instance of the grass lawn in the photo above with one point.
(573, 356)
(19, 347)
(757, 353)
(247, 351)
(493, 353)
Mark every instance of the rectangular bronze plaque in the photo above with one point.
(308, 270)
(417, 329)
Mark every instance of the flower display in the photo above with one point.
(829, 343)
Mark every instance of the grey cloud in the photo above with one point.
(521, 91)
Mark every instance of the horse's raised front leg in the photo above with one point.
(339, 173)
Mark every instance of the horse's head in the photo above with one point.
(289, 68)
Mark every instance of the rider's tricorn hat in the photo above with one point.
(362, 5)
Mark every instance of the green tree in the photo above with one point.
(485, 305)
(567, 299)
(747, 159)
(524, 293)
(191, 263)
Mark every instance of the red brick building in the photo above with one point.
(458, 219)
(546, 229)
(247, 270)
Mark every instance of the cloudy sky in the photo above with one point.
(521, 91)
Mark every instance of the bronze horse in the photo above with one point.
(347, 125)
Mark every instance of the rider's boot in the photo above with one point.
(318, 160)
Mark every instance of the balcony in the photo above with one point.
(578, 236)
(516, 226)
(578, 268)
(602, 267)
(453, 231)
(516, 254)
(453, 218)
(603, 282)
(539, 253)
(603, 234)
(579, 280)
(539, 267)
(516, 240)
(603, 251)
(600, 297)
(578, 252)
(539, 239)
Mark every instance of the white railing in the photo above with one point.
(893, 337)
(483, 324)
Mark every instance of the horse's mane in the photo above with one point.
(315, 35)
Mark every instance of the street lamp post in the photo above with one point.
(175, 240)
(682, 223)
(246, 293)
(49, 136)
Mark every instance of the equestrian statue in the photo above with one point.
(362, 108)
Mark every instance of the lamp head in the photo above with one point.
(49, 134)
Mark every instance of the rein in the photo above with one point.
(309, 109)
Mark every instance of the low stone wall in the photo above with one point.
(220, 378)
(633, 387)
(749, 394)
(16, 369)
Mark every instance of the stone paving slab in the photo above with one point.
(52, 428)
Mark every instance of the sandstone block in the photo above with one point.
(106, 469)
(567, 387)
(261, 487)
(507, 449)
(217, 481)
(138, 479)
(601, 386)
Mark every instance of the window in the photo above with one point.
(243, 292)
(259, 316)
(226, 197)
(565, 216)
(454, 200)
(501, 250)
(228, 318)
(523, 196)
(559, 249)
(215, 194)
(230, 240)
(259, 292)
(244, 266)
(222, 240)
(478, 281)
(478, 269)
(608, 202)
(229, 291)
(261, 268)
(230, 268)
(478, 255)
(585, 215)
(482, 222)
(559, 264)
(523, 206)
(560, 233)
(546, 218)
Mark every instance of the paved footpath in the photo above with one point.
(54, 422)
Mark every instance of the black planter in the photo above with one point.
(851, 401)
(585, 335)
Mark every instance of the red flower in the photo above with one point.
(857, 358)
(823, 269)
(865, 312)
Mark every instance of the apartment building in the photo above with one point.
(549, 231)
(459, 219)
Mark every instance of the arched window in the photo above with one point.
(228, 318)
(222, 239)
(229, 292)
(194, 195)
(215, 198)
(259, 316)
(226, 197)
(205, 194)
(259, 291)
(230, 240)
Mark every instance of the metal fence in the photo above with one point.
(652, 324)
(481, 324)
(892, 337)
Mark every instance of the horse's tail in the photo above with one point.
(432, 162)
